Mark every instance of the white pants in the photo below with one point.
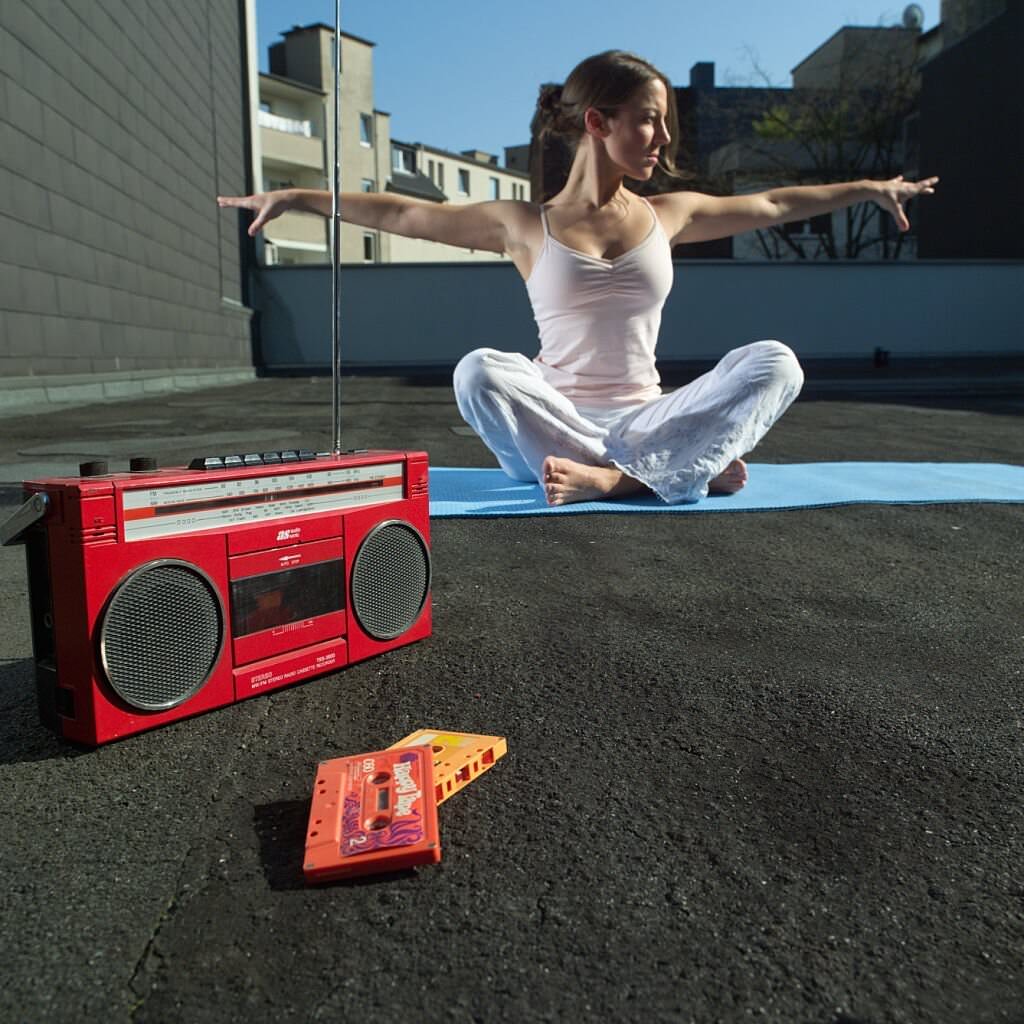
(675, 445)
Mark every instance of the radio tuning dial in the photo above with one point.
(142, 464)
(97, 467)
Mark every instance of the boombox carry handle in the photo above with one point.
(31, 512)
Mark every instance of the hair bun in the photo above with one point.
(549, 107)
(550, 99)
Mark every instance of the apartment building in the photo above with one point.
(297, 151)
(439, 176)
(296, 120)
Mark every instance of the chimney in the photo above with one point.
(702, 76)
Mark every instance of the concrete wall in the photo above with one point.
(119, 124)
(431, 315)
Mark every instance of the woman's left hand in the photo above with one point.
(893, 194)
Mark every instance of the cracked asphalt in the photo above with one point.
(761, 766)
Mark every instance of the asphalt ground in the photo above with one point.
(761, 766)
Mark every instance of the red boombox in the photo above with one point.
(158, 594)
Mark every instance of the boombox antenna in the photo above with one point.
(336, 239)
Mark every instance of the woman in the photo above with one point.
(587, 418)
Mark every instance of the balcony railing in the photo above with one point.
(286, 124)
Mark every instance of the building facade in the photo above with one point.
(297, 141)
(297, 150)
(972, 133)
(118, 129)
(443, 177)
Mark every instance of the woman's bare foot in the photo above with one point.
(566, 482)
(731, 479)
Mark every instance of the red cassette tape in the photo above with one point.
(372, 813)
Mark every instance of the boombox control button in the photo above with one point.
(236, 461)
(142, 464)
(97, 467)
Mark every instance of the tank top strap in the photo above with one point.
(544, 222)
(654, 213)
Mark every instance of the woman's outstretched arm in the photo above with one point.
(491, 226)
(694, 217)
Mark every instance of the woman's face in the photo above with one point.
(637, 130)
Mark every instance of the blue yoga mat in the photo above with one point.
(488, 492)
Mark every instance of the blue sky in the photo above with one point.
(464, 75)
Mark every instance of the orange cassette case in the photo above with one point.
(459, 757)
(371, 814)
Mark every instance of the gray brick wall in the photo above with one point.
(120, 121)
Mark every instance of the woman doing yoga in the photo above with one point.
(586, 417)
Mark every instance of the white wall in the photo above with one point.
(432, 314)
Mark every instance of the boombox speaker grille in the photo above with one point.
(390, 579)
(162, 634)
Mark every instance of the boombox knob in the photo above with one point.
(98, 467)
(142, 464)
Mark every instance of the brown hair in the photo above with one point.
(604, 81)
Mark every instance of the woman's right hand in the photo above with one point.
(267, 206)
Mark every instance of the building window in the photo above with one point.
(463, 182)
(366, 129)
(495, 188)
(403, 160)
(369, 248)
(440, 175)
(366, 185)
(430, 169)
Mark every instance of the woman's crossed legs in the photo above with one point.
(681, 446)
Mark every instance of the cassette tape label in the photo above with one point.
(371, 819)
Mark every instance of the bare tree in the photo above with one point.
(846, 118)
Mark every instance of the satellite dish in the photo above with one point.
(913, 16)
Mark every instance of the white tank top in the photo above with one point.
(598, 319)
